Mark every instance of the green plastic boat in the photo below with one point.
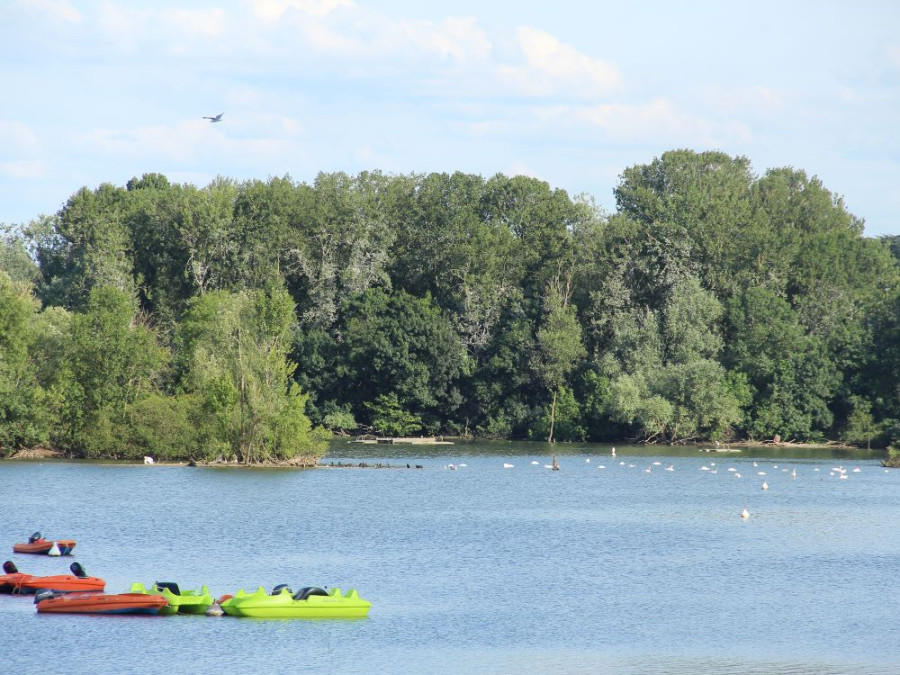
(307, 603)
(182, 602)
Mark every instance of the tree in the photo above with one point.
(112, 360)
(559, 343)
(402, 345)
(234, 356)
(389, 417)
(24, 414)
(85, 245)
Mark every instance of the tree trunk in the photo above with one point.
(552, 416)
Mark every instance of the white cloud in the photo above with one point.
(56, 10)
(26, 169)
(17, 137)
(744, 100)
(554, 67)
(272, 10)
(660, 121)
(459, 39)
(521, 169)
(892, 52)
(195, 141)
(205, 22)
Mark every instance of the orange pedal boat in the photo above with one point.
(13, 578)
(101, 603)
(37, 544)
(66, 583)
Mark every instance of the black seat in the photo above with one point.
(33, 538)
(10, 567)
(171, 586)
(77, 570)
(304, 593)
(281, 587)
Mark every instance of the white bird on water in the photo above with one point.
(745, 514)
(506, 465)
(148, 460)
(765, 485)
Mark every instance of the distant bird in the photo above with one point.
(745, 514)
(148, 460)
(217, 118)
(507, 465)
(765, 485)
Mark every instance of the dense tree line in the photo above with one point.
(239, 319)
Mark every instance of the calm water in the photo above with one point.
(483, 569)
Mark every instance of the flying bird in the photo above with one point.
(217, 118)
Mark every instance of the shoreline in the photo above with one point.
(310, 462)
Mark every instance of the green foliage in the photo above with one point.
(24, 404)
(390, 418)
(233, 356)
(714, 304)
(860, 427)
(14, 257)
(396, 344)
(112, 360)
(565, 419)
(341, 420)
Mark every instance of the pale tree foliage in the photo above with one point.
(235, 350)
(664, 376)
(340, 245)
(558, 340)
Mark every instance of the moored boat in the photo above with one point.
(66, 583)
(307, 603)
(180, 601)
(37, 544)
(101, 603)
(13, 578)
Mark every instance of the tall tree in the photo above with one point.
(559, 342)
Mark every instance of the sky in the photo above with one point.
(571, 92)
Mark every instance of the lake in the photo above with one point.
(634, 564)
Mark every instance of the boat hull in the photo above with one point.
(11, 583)
(65, 583)
(183, 602)
(283, 606)
(43, 546)
(102, 603)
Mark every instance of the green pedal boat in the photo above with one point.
(307, 603)
(182, 602)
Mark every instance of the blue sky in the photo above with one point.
(571, 92)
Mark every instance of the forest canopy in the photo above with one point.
(243, 319)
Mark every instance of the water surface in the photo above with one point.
(608, 565)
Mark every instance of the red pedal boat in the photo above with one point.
(37, 544)
(66, 583)
(101, 603)
(13, 578)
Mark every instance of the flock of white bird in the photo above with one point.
(838, 471)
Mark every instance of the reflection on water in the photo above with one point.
(628, 568)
